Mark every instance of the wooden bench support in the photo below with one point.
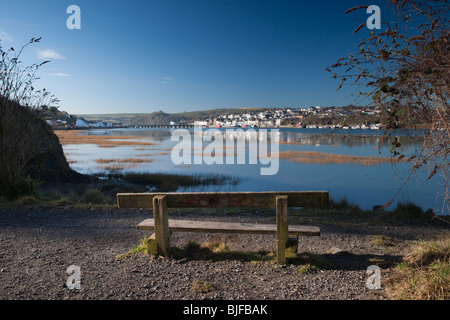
(291, 247)
(291, 244)
(162, 234)
(282, 227)
(286, 236)
(290, 252)
(152, 245)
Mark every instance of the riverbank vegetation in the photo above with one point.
(326, 158)
(102, 191)
(103, 141)
(402, 70)
(170, 182)
(30, 152)
(424, 273)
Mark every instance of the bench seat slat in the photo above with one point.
(229, 227)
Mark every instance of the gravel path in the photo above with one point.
(37, 245)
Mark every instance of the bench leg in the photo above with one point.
(162, 234)
(282, 227)
(292, 247)
(152, 245)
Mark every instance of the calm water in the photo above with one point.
(365, 186)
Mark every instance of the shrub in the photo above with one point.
(424, 274)
(345, 206)
(24, 137)
(22, 187)
(407, 210)
(94, 196)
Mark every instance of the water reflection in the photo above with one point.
(365, 186)
(350, 138)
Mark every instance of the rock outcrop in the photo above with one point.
(29, 147)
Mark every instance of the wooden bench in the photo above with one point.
(287, 235)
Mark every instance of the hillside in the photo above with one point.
(162, 118)
(113, 117)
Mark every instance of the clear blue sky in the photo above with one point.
(185, 55)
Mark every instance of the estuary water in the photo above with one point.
(365, 185)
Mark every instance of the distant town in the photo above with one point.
(350, 116)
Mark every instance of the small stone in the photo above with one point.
(336, 250)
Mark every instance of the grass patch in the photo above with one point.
(307, 268)
(141, 248)
(200, 286)
(216, 250)
(424, 273)
(382, 241)
(425, 253)
(310, 262)
(213, 250)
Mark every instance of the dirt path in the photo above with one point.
(37, 245)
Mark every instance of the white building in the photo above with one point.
(80, 123)
(200, 123)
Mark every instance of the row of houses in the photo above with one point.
(287, 116)
(78, 123)
(267, 118)
(82, 123)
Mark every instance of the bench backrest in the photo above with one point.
(316, 199)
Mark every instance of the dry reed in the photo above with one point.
(114, 167)
(325, 158)
(104, 141)
(128, 160)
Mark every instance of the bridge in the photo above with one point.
(175, 126)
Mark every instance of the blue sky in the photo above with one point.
(184, 55)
